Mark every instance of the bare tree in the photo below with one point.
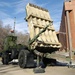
(22, 38)
(4, 30)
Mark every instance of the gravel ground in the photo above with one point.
(50, 70)
(15, 70)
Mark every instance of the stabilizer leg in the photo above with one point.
(38, 69)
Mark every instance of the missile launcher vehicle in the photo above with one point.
(42, 40)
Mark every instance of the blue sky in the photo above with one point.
(16, 8)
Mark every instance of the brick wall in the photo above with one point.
(64, 38)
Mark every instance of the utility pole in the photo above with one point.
(14, 24)
(69, 36)
(67, 0)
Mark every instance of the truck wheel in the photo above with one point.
(5, 58)
(22, 58)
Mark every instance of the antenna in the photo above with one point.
(67, 0)
(14, 24)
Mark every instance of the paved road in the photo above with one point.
(50, 70)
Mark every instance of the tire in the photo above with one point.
(5, 58)
(22, 58)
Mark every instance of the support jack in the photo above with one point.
(38, 69)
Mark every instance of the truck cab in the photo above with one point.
(10, 42)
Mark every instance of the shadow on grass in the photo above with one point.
(53, 62)
(61, 64)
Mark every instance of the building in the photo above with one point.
(67, 26)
